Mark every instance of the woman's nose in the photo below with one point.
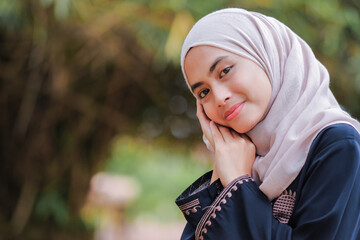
(222, 94)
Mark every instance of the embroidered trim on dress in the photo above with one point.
(190, 206)
(284, 206)
(215, 207)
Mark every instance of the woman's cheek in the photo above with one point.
(207, 112)
(212, 115)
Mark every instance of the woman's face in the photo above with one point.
(233, 90)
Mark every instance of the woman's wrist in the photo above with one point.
(230, 178)
(214, 176)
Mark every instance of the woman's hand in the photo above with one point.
(205, 127)
(234, 153)
(204, 122)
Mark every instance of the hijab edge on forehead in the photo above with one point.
(301, 104)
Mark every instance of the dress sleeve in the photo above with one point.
(195, 200)
(327, 202)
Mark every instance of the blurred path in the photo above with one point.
(155, 231)
(142, 230)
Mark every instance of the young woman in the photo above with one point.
(287, 157)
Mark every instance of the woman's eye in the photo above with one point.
(224, 72)
(203, 93)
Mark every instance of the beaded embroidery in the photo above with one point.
(284, 206)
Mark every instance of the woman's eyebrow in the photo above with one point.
(196, 85)
(217, 60)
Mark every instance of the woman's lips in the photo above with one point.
(233, 111)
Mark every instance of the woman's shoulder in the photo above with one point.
(336, 133)
(341, 138)
(332, 145)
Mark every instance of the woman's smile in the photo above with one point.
(234, 111)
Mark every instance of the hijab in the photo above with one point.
(301, 103)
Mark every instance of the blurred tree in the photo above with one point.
(75, 73)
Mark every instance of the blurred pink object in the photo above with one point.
(109, 196)
(113, 191)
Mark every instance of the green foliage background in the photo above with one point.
(77, 74)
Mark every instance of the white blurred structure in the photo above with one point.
(108, 197)
(107, 200)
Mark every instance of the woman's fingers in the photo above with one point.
(237, 135)
(215, 132)
(222, 133)
(204, 123)
(226, 133)
(200, 113)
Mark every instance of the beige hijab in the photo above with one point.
(301, 104)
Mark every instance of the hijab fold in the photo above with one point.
(301, 103)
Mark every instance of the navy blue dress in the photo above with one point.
(323, 202)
